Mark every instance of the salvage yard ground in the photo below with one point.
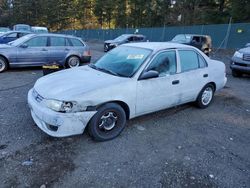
(179, 147)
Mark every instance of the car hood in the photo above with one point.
(245, 50)
(4, 46)
(72, 83)
(112, 41)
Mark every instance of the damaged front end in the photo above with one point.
(58, 118)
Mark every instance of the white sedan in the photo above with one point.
(129, 81)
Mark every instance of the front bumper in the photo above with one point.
(58, 124)
(240, 65)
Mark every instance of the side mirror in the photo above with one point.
(24, 45)
(149, 74)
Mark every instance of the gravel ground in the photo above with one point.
(178, 147)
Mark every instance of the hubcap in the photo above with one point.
(207, 96)
(2, 66)
(74, 62)
(108, 121)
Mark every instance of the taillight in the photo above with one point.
(86, 53)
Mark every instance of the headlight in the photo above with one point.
(60, 106)
(238, 54)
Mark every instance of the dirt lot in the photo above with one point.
(179, 147)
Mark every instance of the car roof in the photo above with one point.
(55, 35)
(155, 46)
(198, 35)
(133, 35)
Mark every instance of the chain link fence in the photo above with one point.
(225, 36)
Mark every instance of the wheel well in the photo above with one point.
(213, 85)
(123, 105)
(5, 59)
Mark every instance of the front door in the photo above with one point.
(33, 52)
(161, 92)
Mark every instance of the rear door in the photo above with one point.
(35, 52)
(57, 49)
(194, 74)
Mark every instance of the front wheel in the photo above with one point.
(3, 65)
(107, 123)
(206, 96)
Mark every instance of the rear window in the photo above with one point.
(76, 42)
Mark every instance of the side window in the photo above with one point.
(37, 42)
(202, 62)
(21, 34)
(12, 35)
(189, 60)
(196, 40)
(164, 63)
(76, 42)
(57, 41)
(68, 42)
(130, 39)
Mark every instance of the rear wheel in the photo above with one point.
(206, 96)
(73, 61)
(108, 122)
(236, 73)
(3, 64)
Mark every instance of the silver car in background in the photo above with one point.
(39, 49)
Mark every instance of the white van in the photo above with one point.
(36, 29)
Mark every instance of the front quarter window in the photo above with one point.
(123, 61)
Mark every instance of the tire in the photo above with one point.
(3, 64)
(73, 61)
(107, 123)
(205, 97)
(236, 73)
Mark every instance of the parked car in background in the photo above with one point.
(11, 36)
(4, 30)
(240, 62)
(37, 50)
(202, 42)
(21, 27)
(129, 81)
(37, 29)
(126, 38)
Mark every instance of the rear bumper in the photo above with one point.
(85, 59)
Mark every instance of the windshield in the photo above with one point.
(122, 61)
(182, 38)
(3, 29)
(121, 38)
(20, 40)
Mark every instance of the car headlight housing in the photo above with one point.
(238, 54)
(60, 106)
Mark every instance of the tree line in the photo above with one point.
(92, 14)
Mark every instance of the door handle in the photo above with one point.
(205, 75)
(66, 49)
(175, 82)
(44, 49)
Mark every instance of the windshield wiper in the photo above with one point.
(105, 70)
